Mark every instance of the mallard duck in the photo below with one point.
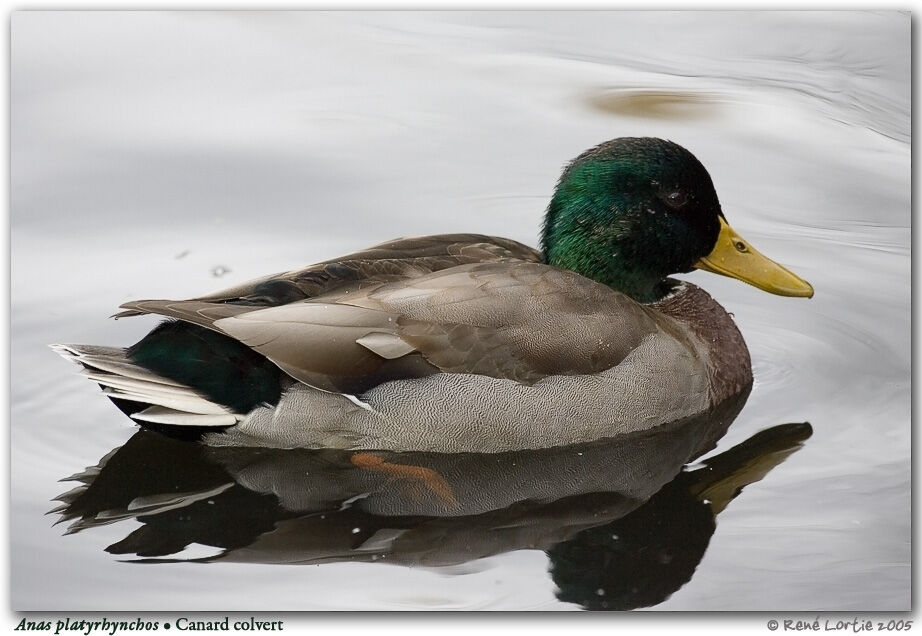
(465, 342)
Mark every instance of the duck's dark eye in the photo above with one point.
(676, 199)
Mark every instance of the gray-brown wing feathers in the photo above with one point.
(329, 346)
(395, 260)
(197, 312)
(373, 317)
(520, 321)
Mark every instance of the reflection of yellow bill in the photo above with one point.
(733, 256)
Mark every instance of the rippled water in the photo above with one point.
(170, 154)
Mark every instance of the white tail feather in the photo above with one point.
(126, 370)
(200, 406)
(161, 415)
(180, 399)
(171, 402)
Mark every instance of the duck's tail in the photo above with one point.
(151, 399)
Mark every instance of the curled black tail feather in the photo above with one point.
(217, 366)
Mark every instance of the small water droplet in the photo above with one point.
(600, 592)
(356, 530)
(220, 270)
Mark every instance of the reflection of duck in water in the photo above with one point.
(468, 343)
(308, 507)
(642, 558)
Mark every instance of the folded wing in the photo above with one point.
(374, 317)
(518, 321)
(395, 260)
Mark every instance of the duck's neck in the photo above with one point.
(608, 248)
(595, 261)
(730, 367)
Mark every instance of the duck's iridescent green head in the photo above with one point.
(632, 211)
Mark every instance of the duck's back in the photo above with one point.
(400, 259)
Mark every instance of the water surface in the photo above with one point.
(170, 154)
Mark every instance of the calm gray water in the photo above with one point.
(170, 154)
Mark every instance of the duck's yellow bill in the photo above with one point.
(733, 256)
